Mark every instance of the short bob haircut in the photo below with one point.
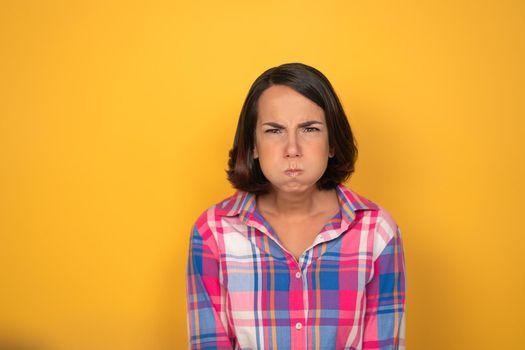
(245, 173)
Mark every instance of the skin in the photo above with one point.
(291, 133)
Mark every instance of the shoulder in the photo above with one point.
(377, 215)
(208, 221)
(385, 230)
(386, 225)
(208, 225)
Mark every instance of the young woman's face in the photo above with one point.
(291, 139)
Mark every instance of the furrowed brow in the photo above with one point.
(302, 125)
(309, 123)
(275, 125)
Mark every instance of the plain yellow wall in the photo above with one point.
(116, 119)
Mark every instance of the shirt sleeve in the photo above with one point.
(385, 295)
(206, 330)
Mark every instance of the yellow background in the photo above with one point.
(116, 119)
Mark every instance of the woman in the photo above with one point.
(294, 259)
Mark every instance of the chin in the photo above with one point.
(294, 187)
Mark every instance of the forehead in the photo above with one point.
(280, 103)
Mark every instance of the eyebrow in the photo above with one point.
(302, 125)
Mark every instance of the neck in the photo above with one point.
(295, 205)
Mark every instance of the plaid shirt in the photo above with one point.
(246, 291)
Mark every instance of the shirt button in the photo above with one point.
(298, 325)
(298, 274)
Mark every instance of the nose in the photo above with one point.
(292, 149)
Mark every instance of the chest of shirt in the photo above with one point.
(253, 262)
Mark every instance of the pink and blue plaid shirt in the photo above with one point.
(246, 291)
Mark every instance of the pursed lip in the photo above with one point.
(293, 172)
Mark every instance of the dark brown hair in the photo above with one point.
(245, 173)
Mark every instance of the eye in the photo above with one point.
(311, 129)
(273, 131)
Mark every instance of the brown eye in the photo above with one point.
(311, 129)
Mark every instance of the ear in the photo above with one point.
(331, 153)
(255, 153)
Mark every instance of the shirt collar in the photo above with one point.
(243, 204)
